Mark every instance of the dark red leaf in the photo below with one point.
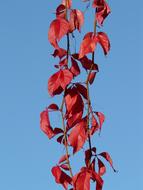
(91, 77)
(99, 182)
(101, 168)
(58, 28)
(60, 53)
(104, 42)
(61, 11)
(74, 68)
(65, 167)
(102, 10)
(61, 177)
(58, 131)
(82, 90)
(108, 158)
(45, 124)
(60, 139)
(53, 107)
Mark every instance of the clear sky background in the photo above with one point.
(26, 154)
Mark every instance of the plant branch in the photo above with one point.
(88, 94)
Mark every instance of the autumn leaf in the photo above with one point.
(88, 44)
(58, 28)
(58, 81)
(76, 20)
(101, 168)
(108, 158)
(78, 135)
(102, 10)
(103, 40)
(61, 177)
(45, 124)
(81, 181)
(67, 3)
(74, 68)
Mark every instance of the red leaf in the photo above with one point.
(67, 3)
(65, 167)
(98, 179)
(75, 118)
(60, 139)
(53, 107)
(95, 125)
(104, 42)
(61, 177)
(76, 20)
(88, 64)
(45, 124)
(108, 158)
(74, 68)
(74, 102)
(58, 131)
(61, 11)
(63, 62)
(91, 77)
(82, 90)
(58, 28)
(101, 168)
(101, 118)
(88, 44)
(58, 81)
(81, 181)
(63, 158)
(78, 135)
(60, 53)
(102, 10)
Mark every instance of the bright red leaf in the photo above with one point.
(88, 44)
(45, 124)
(81, 181)
(58, 81)
(103, 40)
(76, 20)
(67, 3)
(58, 28)
(78, 135)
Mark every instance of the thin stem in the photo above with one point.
(65, 138)
(88, 94)
(62, 105)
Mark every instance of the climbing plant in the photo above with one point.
(79, 120)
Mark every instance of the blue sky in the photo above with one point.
(26, 154)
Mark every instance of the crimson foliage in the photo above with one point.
(79, 121)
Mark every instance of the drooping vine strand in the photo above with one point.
(88, 95)
(78, 124)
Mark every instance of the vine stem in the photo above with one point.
(62, 105)
(65, 138)
(88, 94)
